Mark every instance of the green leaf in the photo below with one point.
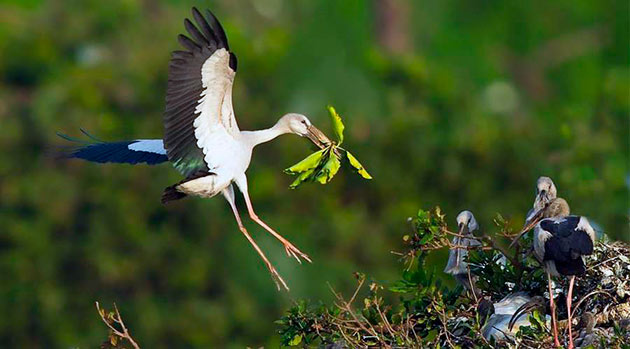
(330, 169)
(337, 124)
(310, 162)
(357, 165)
(296, 340)
(303, 177)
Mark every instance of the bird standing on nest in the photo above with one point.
(560, 241)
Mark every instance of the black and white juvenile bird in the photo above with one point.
(560, 241)
(202, 139)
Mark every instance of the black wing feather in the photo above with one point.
(188, 43)
(203, 24)
(114, 152)
(571, 267)
(561, 227)
(185, 87)
(194, 33)
(218, 29)
(567, 244)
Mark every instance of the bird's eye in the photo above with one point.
(304, 122)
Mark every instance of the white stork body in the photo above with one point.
(201, 136)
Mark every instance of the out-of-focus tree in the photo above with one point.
(447, 116)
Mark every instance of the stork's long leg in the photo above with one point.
(569, 296)
(229, 196)
(291, 250)
(552, 306)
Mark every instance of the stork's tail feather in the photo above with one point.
(171, 194)
(571, 266)
(149, 151)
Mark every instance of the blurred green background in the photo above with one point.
(461, 104)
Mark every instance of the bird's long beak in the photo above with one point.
(529, 224)
(523, 309)
(317, 137)
(542, 197)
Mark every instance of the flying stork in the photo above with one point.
(560, 241)
(457, 265)
(202, 139)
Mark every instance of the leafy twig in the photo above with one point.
(111, 318)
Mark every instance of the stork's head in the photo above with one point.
(557, 207)
(302, 126)
(545, 192)
(466, 222)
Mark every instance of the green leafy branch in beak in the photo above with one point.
(324, 164)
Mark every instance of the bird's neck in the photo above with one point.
(263, 136)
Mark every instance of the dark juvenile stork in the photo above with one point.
(560, 241)
(457, 265)
(201, 137)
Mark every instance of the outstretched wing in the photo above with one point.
(199, 95)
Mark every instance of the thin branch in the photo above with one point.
(117, 319)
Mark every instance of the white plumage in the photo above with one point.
(149, 145)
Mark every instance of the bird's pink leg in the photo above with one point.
(229, 195)
(291, 250)
(569, 296)
(552, 305)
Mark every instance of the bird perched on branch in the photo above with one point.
(202, 139)
(560, 241)
(457, 265)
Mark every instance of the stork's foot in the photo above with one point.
(277, 279)
(293, 251)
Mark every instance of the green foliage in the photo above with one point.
(495, 273)
(304, 324)
(324, 164)
(309, 163)
(417, 310)
(357, 165)
(537, 331)
(337, 124)
(422, 316)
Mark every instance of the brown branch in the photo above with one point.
(116, 318)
